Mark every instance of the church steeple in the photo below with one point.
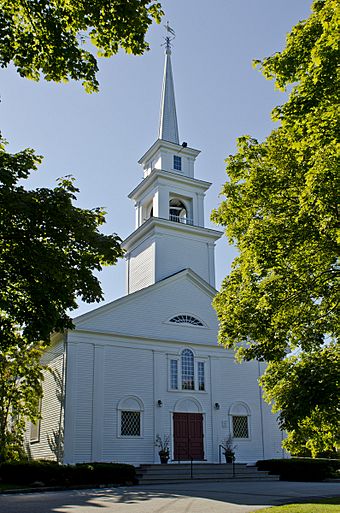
(168, 128)
(170, 235)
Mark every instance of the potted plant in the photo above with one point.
(229, 449)
(164, 447)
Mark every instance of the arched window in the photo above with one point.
(130, 417)
(177, 211)
(188, 373)
(186, 319)
(239, 416)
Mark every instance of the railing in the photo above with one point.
(220, 447)
(183, 220)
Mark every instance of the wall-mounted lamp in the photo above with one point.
(217, 406)
(159, 403)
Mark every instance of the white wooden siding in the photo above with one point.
(149, 309)
(51, 424)
(141, 271)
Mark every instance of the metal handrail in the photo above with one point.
(219, 457)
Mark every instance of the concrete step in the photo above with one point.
(152, 474)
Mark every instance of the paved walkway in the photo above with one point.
(192, 497)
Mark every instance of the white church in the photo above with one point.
(149, 364)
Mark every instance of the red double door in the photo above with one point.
(188, 436)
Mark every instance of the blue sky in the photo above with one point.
(99, 138)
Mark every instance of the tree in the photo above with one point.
(50, 37)
(48, 251)
(281, 212)
(20, 390)
(305, 391)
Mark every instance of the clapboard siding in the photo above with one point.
(156, 305)
(106, 369)
(128, 373)
(79, 403)
(177, 252)
(141, 269)
(49, 445)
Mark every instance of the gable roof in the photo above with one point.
(146, 313)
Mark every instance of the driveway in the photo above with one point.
(192, 497)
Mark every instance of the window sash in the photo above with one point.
(174, 374)
(177, 163)
(240, 426)
(201, 376)
(130, 424)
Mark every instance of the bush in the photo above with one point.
(51, 474)
(300, 469)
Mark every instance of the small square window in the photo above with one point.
(240, 426)
(177, 163)
(130, 423)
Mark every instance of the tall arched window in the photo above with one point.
(177, 211)
(188, 373)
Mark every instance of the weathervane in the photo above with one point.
(168, 38)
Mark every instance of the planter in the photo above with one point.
(229, 458)
(164, 456)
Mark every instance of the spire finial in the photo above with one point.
(168, 129)
(168, 38)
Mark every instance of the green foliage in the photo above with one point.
(20, 391)
(281, 211)
(48, 251)
(300, 469)
(54, 38)
(312, 423)
(52, 474)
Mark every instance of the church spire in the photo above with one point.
(168, 128)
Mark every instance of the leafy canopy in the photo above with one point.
(282, 213)
(49, 249)
(20, 391)
(50, 37)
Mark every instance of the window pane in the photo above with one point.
(188, 377)
(240, 426)
(174, 374)
(201, 381)
(35, 432)
(130, 423)
(177, 163)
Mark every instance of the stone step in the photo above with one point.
(151, 474)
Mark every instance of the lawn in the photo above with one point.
(331, 505)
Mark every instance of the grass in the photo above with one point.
(330, 505)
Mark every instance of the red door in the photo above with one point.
(188, 436)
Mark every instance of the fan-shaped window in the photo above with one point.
(188, 375)
(177, 211)
(186, 319)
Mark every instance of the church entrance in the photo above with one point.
(188, 436)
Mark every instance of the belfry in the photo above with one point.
(170, 235)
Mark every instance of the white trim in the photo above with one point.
(140, 410)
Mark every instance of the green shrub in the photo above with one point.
(52, 474)
(300, 469)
